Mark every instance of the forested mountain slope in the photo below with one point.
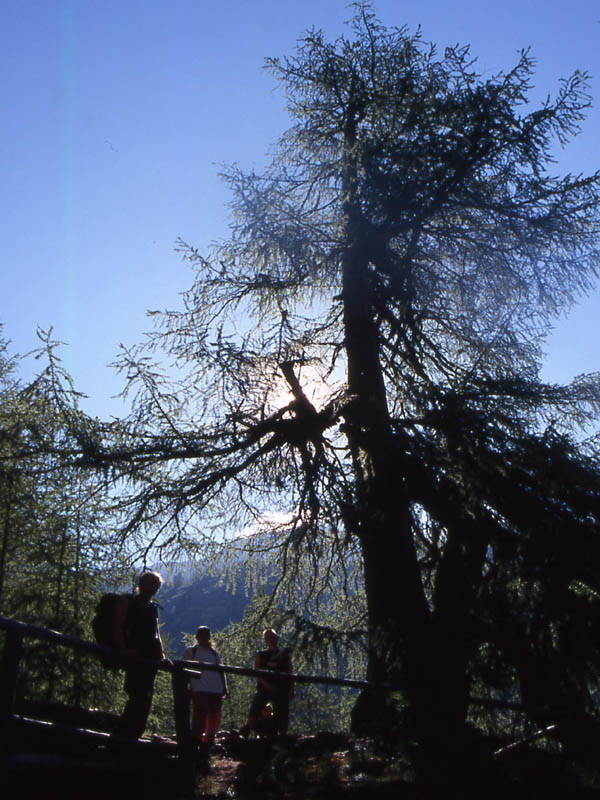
(203, 600)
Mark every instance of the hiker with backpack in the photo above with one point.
(208, 690)
(136, 631)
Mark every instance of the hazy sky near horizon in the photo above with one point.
(117, 116)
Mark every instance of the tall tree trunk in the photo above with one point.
(457, 585)
(403, 646)
(398, 616)
(398, 611)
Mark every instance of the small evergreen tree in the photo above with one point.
(55, 554)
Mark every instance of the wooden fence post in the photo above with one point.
(181, 707)
(13, 645)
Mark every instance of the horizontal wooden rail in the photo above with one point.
(123, 659)
(194, 667)
(48, 635)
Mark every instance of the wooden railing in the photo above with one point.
(180, 671)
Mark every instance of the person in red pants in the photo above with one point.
(208, 692)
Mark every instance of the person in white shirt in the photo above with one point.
(208, 691)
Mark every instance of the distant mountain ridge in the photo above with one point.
(188, 599)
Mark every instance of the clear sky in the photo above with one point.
(117, 114)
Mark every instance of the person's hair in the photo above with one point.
(203, 633)
(271, 632)
(150, 577)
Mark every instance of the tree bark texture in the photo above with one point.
(421, 650)
(398, 612)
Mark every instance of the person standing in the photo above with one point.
(137, 632)
(208, 689)
(276, 691)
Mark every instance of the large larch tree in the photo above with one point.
(353, 381)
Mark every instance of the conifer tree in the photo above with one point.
(404, 255)
(55, 551)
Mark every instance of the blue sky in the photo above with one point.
(116, 116)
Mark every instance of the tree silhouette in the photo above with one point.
(405, 253)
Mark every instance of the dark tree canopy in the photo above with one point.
(403, 256)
